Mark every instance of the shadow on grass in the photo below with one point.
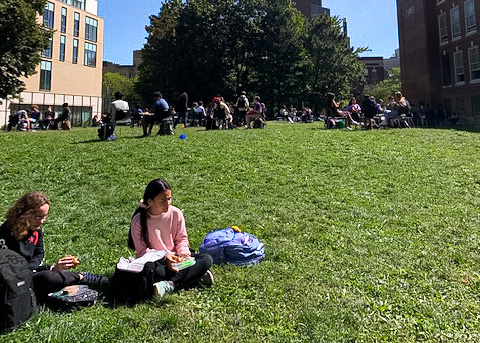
(465, 128)
(97, 140)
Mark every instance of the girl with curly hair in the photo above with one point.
(22, 232)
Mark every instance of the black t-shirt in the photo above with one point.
(31, 247)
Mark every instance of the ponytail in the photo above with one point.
(143, 226)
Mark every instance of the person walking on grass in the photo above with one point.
(157, 225)
(22, 232)
(181, 107)
(242, 105)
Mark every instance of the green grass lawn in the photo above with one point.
(370, 236)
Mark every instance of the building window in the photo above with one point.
(474, 60)
(63, 26)
(76, 3)
(75, 51)
(79, 4)
(442, 27)
(48, 15)
(459, 69)
(90, 55)
(76, 24)
(455, 22)
(470, 20)
(45, 76)
(62, 48)
(91, 29)
(446, 73)
(48, 51)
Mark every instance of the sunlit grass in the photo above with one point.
(370, 236)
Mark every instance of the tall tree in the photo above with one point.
(265, 47)
(113, 82)
(384, 89)
(332, 65)
(158, 68)
(22, 39)
(279, 54)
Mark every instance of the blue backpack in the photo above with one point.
(233, 246)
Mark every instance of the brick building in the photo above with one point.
(374, 70)
(309, 8)
(71, 67)
(439, 54)
(129, 71)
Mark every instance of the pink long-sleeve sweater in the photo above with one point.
(166, 231)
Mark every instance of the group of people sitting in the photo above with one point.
(156, 225)
(217, 115)
(370, 114)
(27, 120)
(292, 115)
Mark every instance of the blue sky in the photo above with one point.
(371, 24)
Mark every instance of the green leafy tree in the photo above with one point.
(114, 82)
(279, 77)
(210, 47)
(331, 65)
(384, 89)
(22, 39)
(157, 72)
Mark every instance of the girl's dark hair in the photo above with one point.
(154, 188)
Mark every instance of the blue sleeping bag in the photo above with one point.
(233, 246)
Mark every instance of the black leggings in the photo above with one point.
(189, 277)
(48, 281)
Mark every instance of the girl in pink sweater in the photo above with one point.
(157, 225)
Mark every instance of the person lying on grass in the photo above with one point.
(22, 232)
(157, 225)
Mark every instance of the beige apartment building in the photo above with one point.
(71, 68)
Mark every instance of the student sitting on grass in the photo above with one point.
(22, 232)
(157, 225)
(332, 111)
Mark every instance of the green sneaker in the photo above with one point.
(162, 288)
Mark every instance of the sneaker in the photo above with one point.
(206, 281)
(111, 138)
(349, 128)
(355, 122)
(99, 282)
(162, 288)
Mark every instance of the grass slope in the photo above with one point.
(370, 236)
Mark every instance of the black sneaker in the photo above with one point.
(97, 282)
(206, 281)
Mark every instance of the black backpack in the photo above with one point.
(241, 102)
(17, 299)
(130, 288)
(259, 123)
(105, 131)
